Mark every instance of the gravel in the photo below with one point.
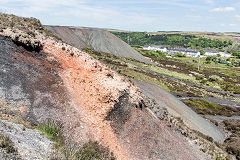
(30, 143)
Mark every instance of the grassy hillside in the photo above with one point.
(213, 90)
(173, 40)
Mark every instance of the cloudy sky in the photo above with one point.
(134, 15)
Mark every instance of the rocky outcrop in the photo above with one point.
(97, 39)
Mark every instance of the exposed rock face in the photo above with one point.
(88, 99)
(98, 39)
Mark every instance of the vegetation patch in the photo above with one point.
(173, 40)
(207, 108)
(232, 144)
(144, 78)
(93, 151)
(51, 130)
(25, 31)
(89, 151)
(6, 144)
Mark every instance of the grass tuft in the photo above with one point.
(6, 144)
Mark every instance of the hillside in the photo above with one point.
(81, 105)
(97, 39)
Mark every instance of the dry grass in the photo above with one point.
(27, 32)
(6, 144)
(233, 142)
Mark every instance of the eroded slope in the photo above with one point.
(87, 99)
(97, 39)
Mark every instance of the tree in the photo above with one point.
(202, 52)
(235, 53)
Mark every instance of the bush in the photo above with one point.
(93, 150)
(227, 86)
(136, 46)
(214, 78)
(233, 142)
(204, 107)
(53, 132)
(199, 77)
(180, 54)
(6, 144)
(155, 54)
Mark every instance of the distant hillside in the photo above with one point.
(212, 35)
(174, 39)
(98, 39)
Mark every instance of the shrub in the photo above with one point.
(214, 78)
(180, 54)
(233, 142)
(53, 132)
(7, 144)
(93, 150)
(205, 107)
(227, 86)
(199, 77)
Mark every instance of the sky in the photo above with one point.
(132, 15)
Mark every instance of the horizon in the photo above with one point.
(115, 29)
(133, 15)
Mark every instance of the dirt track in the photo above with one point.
(179, 109)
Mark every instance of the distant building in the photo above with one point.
(186, 52)
(211, 53)
(214, 53)
(155, 48)
(227, 55)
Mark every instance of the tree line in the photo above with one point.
(173, 40)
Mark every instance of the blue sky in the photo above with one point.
(134, 15)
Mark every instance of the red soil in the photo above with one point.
(94, 91)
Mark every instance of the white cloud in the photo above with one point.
(228, 25)
(223, 9)
(237, 16)
(209, 1)
(193, 16)
(232, 25)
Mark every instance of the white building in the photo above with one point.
(227, 55)
(155, 48)
(211, 53)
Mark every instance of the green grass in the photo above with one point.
(203, 107)
(89, 151)
(142, 77)
(52, 131)
(172, 73)
(201, 104)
